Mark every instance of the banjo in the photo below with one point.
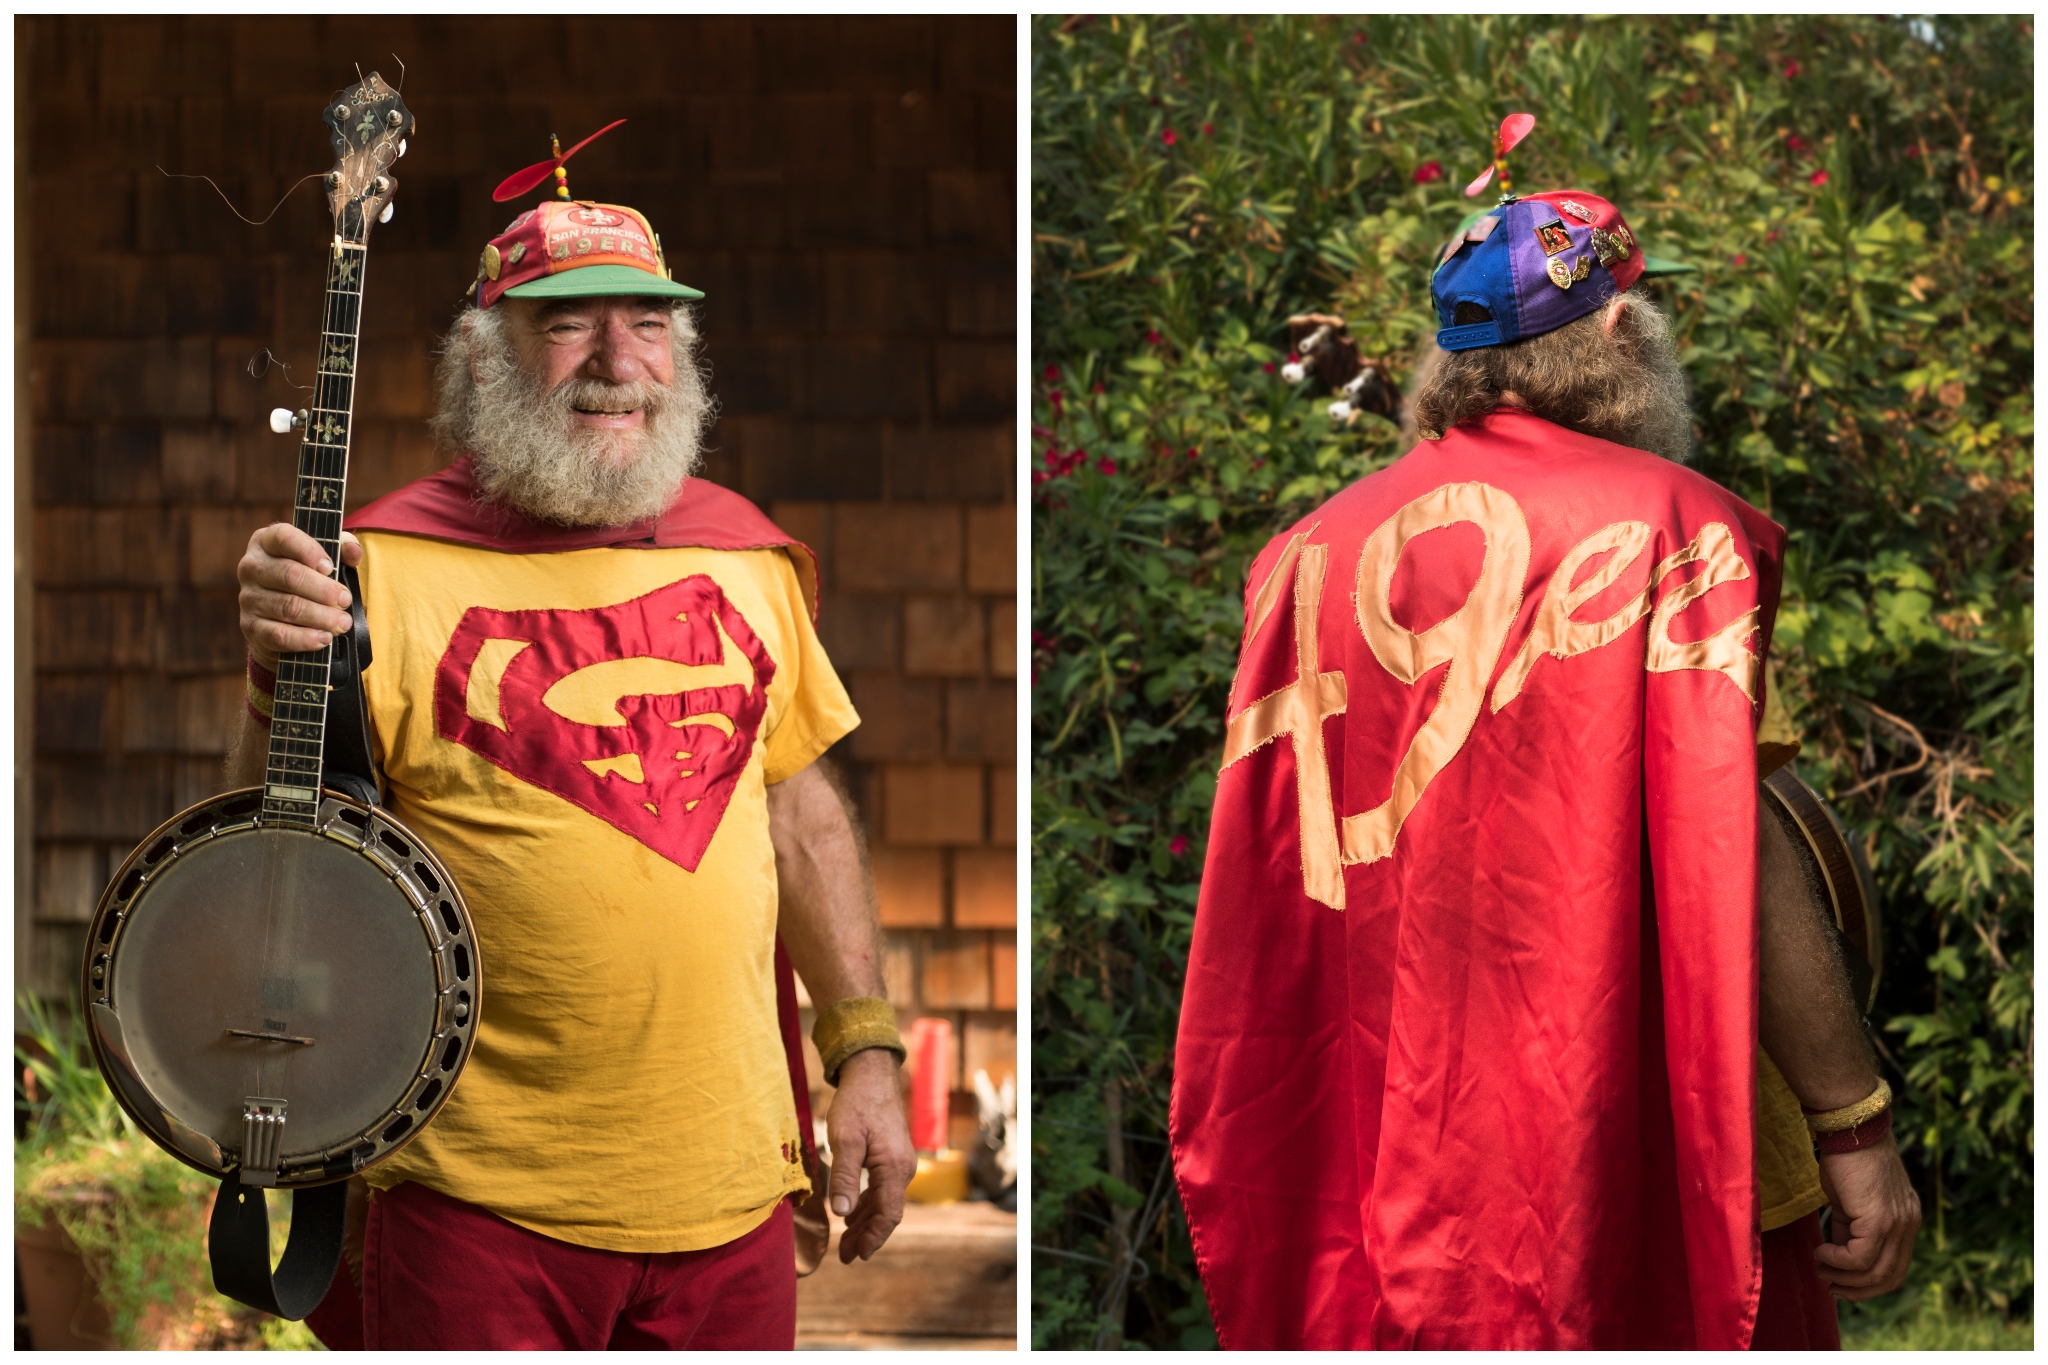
(282, 983)
(1836, 873)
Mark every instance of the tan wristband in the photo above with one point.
(1853, 1115)
(855, 1025)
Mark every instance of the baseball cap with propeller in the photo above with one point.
(564, 248)
(1532, 264)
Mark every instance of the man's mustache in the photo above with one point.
(600, 395)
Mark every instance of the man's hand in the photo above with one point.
(827, 921)
(867, 1130)
(1876, 1216)
(289, 604)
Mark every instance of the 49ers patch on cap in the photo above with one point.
(577, 249)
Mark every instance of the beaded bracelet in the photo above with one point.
(854, 1025)
(261, 693)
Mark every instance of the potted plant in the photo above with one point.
(88, 1185)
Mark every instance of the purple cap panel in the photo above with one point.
(1541, 304)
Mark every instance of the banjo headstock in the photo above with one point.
(367, 123)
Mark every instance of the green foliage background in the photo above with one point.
(137, 1215)
(1858, 195)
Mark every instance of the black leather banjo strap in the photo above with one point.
(346, 762)
(239, 1245)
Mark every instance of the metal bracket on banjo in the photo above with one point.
(262, 1139)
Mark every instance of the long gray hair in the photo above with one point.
(1622, 384)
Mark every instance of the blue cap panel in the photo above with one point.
(1481, 273)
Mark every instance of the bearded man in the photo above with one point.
(599, 696)
(1490, 931)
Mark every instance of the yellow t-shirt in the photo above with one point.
(585, 739)
(1788, 1173)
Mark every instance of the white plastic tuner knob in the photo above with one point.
(385, 216)
(280, 420)
(401, 146)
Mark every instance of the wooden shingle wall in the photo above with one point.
(841, 188)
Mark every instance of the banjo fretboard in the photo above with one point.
(291, 784)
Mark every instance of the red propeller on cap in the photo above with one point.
(1513, 129)
(520, 182)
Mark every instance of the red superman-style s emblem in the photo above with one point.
(643, 713)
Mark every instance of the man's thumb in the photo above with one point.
(847, 1157)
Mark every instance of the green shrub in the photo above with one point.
(1857, 193)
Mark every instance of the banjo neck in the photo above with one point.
(298, 731)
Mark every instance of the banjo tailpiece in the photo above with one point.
(283, 983)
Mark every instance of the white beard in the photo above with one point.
(532, 454)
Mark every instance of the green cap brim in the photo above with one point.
(1659, 265)
(601, 281)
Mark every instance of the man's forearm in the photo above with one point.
(1809, 1023)
(827, 918)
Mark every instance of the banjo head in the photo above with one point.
(334, 969)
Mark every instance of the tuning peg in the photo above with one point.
(1294, 372)
(401, 146)
(385, 216)
(283, 420)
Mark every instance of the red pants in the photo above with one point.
(440, 1274)
(1794, 1311)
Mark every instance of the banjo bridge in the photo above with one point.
(261, 1036)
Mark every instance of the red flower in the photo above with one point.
(1194, 453)
(1269, 367)
(1177, 845)
(1152, 338)
(1791, 71)
(1429, 172)
(1771, 236)
(1739, 258)
(1358, 38)
(1100, 387)
(1168, 136)
(1105, 465)
(1817, 178)
(1796, 143)
(1912, 149)
(1293, 358)
(1052, 372)
(1208, 130)
(1056, 398)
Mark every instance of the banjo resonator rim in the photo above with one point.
(449, 937)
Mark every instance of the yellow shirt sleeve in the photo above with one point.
(819, 713)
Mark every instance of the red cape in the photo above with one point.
(1467, 1050)
(448, 506)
